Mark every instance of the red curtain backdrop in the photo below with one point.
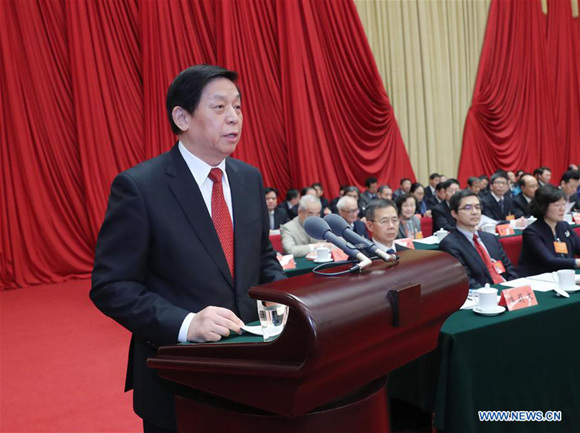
(83, 87)
(526, 104)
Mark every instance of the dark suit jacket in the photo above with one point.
(433, 202)
(280, 217)
(442, 218)
(521, 206)
(428, 194)
(291, 211)
(459, 247)
(158, 257)
(538, 254)
(360, 229)
(492, 209)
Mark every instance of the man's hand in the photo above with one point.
(213, 323)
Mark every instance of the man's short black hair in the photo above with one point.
(351, 188)
(304, 191)
(376, 204)
(403, 180)
(317, 184)
(498, 175)
(370, 180)
(483, 176)
(416, 186)
(456, 198)
(440, 185)
(545, 195)
(449, 182)
(472, 180)
(269, 190)
(434, 175)
(540, 171)
(186, 89)
(291, 194)
(570, 175)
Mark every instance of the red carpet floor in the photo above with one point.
(62, 363)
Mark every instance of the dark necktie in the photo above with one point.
(221, 218)
(497, 278)
(391, 251)
(501, 207)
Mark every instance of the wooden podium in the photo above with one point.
(327, 370)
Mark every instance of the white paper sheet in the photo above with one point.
(430, 240)
(537, 285)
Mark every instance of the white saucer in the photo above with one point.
(322, 260)
(498, 310)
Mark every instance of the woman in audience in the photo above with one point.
(409, 225)
(549, 243)
(418, 192)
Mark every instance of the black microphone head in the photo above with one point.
(336, 223)
(316, 227)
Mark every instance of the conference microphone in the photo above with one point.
(341, 228)
(317, 228)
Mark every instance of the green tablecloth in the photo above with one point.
(521, 360)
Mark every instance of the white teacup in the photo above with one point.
(566, 279)
(441, 234)
(323, 254)
(487, 299)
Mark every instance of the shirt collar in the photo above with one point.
(383, 246)
(199, 169)
(496, 197)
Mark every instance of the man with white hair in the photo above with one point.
(295, 240)
(348, 209)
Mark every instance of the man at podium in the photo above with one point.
(185, 236)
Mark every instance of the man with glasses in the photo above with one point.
(383, 224)
(480, 253)
(348, 209)
(496, 205)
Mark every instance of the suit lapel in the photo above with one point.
(185, 189)
(470, 251)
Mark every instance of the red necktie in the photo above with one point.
(497, 278)
(220, 215)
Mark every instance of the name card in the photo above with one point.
(406, 242)
(518, 298)
(338, 255)
(504, 229)
(287, 261)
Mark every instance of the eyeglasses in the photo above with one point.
(385, 221)
(470, 207)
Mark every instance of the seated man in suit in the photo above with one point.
(323, 200)
(348, 209)
(333, 202)
(382, 223)
(543, 175)
(404, 187)
(276, 215)
(295, 240)
(496, 205)
(439, 195)
(480, 253)
(290, 205)
(385, 192)
(184, 238)
(474, 184)
(569, 185)
(372, 185)
(483, 186)
(528, 185)
(434, 179)
(442, 218)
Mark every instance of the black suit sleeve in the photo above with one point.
(449, 246)
(118, 280)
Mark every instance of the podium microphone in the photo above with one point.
(317, 228)
(341, 228)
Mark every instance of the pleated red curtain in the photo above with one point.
(526, 104)
(83, 89)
